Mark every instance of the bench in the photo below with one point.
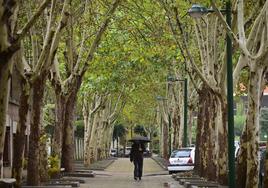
(200, 184)
(63, 183)
(182, 180)
(68, 179)
(7, 182)
(80, 174)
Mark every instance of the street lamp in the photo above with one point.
(198, 11)
(185, 110)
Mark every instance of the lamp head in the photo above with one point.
(171, 78)
(159, 98)
(197, 11)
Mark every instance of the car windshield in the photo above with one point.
(181, 154)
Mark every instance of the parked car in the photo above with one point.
(113, 153)
(124, 152)
(181, 160)
(127, 151)
(147, 153)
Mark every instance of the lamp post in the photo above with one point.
(169, 132)
(198, 11)
(185, 109)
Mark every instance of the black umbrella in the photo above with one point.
(139, 139)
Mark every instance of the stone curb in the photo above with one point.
(160, 162)
(98, 165)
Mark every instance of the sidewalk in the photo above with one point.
(120, 175)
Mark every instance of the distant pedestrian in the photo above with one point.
(136, 156)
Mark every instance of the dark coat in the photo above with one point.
(136, 152)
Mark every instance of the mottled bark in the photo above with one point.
(7, 9)
(20, 137)
(33, 175)
(248, 163)
(57, 137)
(222, 146)
(92, 148)
(190, 124)
(211, 158)
(165, 140)
(100, 140)
(58, 130)
(107, 142)
(176, 124)
(93, 108)
(101, 119)
(87, 161)
(68, 132)
(206, 147)
(4, 95)
(43, 160)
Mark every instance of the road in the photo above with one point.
(120, 175)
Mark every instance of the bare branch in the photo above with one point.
(101, 99)
(117, 103)
(97, 39)
(21, 33)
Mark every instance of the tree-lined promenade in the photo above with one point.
(96, 66)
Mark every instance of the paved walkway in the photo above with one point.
(120, 175)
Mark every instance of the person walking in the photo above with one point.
(136, 156)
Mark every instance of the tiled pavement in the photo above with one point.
(120, 175)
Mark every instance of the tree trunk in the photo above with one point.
(33, 156)
(176, 124)
(93, 139)
(4, 96)
(222, 141)
(43, 160)
(101, 140)
(87, 140)
(206, 160)
(58, 129)
(68, 136)
(210, 131)
(19, 138)
(160, 119)
(248, 163)
(107, 141)
(190, 124)
(165, 140)
(89, 126)
(7, 9)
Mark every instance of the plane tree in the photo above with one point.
(12, 34)
(82, 39)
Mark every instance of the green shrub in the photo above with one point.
(24, 163)
(54, 166)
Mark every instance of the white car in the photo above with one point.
(113, 153)
(181, 160)
(127, 151)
